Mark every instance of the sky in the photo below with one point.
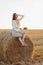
(31, 9)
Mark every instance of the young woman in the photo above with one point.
(16, 32)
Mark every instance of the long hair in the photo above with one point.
(14, 16)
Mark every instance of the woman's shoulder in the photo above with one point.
(14, 20)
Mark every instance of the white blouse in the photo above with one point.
(15, 25)
(15, 29)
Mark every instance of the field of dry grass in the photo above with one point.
(37, 37)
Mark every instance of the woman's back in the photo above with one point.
(15, 25)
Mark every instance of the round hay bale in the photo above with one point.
(4, 38)
(11, 49)
(17, 52)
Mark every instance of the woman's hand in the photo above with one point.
(21, 16)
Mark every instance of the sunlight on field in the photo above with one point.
(37, 37)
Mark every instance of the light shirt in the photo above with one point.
(15, 25)
(15, 28)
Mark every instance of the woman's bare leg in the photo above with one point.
(22, 41)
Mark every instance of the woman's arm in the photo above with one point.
(21, 17)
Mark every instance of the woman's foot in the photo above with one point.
(24, 44)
